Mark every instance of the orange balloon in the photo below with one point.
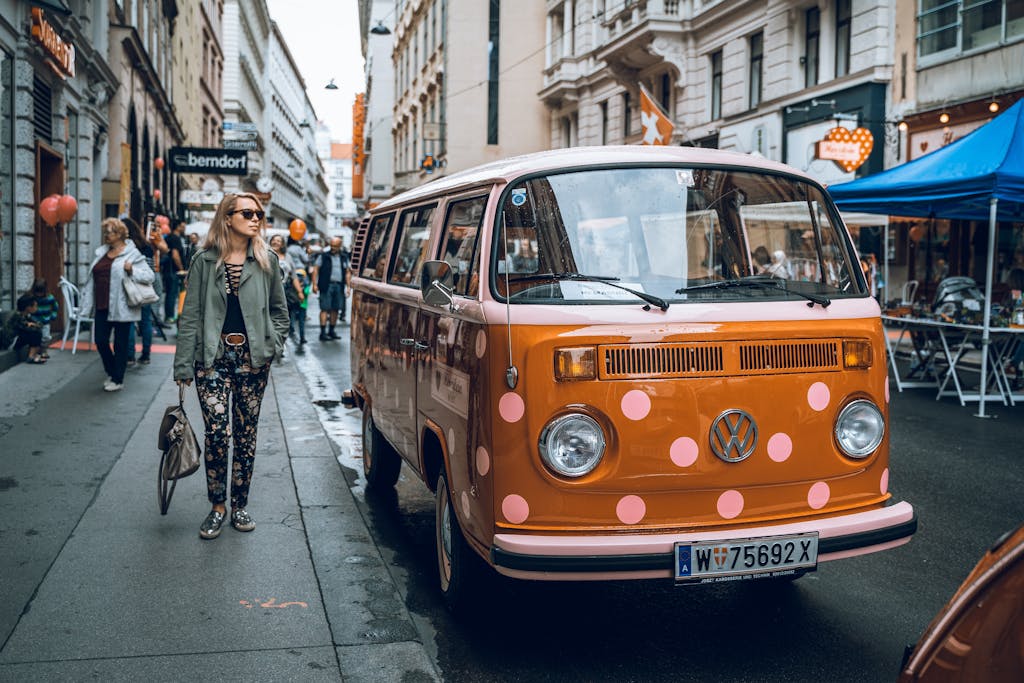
(67, 207)
(297, 229)
(916, 233)
(158, 164)
(48, 210)
(156, 195)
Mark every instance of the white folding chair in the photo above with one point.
(72, 303)
(909, 292)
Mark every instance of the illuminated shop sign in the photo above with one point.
(61, 53)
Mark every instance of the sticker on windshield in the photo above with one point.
(519, 197)
(684, 178)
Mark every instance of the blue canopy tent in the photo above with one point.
(978, 177)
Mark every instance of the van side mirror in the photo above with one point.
(436, 281)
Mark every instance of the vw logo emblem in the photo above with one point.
(733, 435)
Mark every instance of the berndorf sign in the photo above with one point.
(209, 160)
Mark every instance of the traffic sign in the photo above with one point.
(240, 134)
(241, 144)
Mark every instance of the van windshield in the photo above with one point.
(580, 237)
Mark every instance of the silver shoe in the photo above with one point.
(241, 520)
(210, 528)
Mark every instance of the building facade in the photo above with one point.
(337, 160)
(247, 31)
(299, 188)
(377, 23)
(197, 50)
(466, 77)
(55, 82)
(770, 78)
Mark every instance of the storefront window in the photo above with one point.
(7, 284)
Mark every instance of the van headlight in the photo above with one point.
(860, 428)
(572, 445)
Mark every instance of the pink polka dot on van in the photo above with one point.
(780, 447)
(636, 405)
(515, 508)
(683, 451)
(511, 407)
(730, 504)
(818, 495)
(818, 396)
(630, 509)
(483, 461)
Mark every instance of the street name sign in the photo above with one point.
(209, 160)
(240, 126)
(241, 144)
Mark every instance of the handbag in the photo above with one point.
(180, 450)
(139, 294)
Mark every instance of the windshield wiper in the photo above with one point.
(607, 279)
(761, 282)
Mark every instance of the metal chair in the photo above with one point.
(72, 304)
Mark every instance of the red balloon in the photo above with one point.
(67, 207)
(156, 194)
(48, 209)
(158, 164)
(297, 229)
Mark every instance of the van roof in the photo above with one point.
(506, 170)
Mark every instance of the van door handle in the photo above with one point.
(420, 346)
(408, 342)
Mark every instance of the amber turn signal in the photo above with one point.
(575, 363)
(857, 354)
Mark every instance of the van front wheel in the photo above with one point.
(381, 464)
(457, 565)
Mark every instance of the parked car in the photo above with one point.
(979, 634)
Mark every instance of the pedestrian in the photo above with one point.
(330, 278)
(28, 333)
(232, 326)
(293, 291)
(104, 296)
(297, 254)
(46, 308)
(146, 323)
(171, 268)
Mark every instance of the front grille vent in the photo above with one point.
(661, 360)
(768, 357)
(718, 359)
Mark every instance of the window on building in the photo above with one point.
(843, 16)
(945, 25)
(627, 114)
(665, 93)
(716, 85)
(603, 106)
(494, 31)
(812, 45)
(756, 65)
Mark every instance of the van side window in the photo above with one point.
(460, 237)
(376, 253)
(411, 245)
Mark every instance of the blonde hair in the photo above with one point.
(217, 239)
(116, 226)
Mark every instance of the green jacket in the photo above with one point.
(261, 297)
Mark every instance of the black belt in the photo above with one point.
(234, 339)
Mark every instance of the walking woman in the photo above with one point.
(116, 260)
(233, 324)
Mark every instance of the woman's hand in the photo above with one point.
(184, 382)
(128, 267)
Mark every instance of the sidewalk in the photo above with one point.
(97, 584)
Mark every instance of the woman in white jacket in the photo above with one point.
(104, 293)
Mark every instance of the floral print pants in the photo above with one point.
(231, 377)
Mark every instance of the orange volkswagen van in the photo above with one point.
(626, 362)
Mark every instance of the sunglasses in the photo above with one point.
(248, 214)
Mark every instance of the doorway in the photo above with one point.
(49, 242)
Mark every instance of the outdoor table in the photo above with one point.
(955, 339)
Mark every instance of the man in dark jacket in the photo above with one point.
(330, 278)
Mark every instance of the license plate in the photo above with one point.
(738, 558)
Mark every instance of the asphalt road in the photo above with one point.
(849, 621)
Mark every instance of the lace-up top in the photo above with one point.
(233, 321)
